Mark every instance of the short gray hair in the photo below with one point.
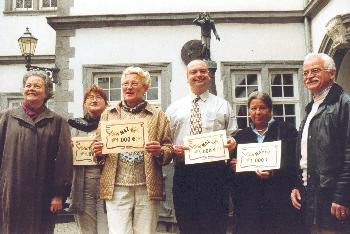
(47, 82)
(328, 61)
(262, 96)
(144, 75)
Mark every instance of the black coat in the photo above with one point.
(328, 164)
(263, 205)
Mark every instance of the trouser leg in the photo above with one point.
(120, 210)
(87, 220)
(145, 212)
(102, 224)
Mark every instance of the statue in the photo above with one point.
(207, 25)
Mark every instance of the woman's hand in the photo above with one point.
(97, 148)
(233, 164)
(154, 148)
(231, 143)
(180, 151)
(56, 204)
(263, 174)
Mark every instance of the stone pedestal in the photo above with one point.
(212, 66)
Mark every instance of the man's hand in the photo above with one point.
(233, 164)
(153, 148)
(56, 204)
(231, 143)
(180, 151)
(295, 197)
(339, 211)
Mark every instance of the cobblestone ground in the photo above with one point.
(66, 228)
(71, 228)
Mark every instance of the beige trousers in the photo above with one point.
(131, 212)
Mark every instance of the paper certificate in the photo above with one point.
(128, 135)
(206, 147)
(258, 156)
(82, 152)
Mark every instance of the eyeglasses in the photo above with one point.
(91, 97)
(132, 84)
(314, 71)
(261, 109)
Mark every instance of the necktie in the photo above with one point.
(195, 120)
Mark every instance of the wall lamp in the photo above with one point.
(27, 43)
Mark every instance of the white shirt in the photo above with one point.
(216, 114)
(303, 161)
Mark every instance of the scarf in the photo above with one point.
(137, 109)
(32, 113)
(86, 124)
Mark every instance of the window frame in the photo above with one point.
(7, 98)
(47, 8)
(156, 102)
(10, 7)
(266, 69)
(163, 69)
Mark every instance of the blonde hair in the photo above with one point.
(143, 75)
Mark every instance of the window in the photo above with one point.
(32, 5)
(284, 95)
(245, 82)
(279, 79)
(24, 4)
(48, 3)
(10, 100)
(111, 84)
(108, 77)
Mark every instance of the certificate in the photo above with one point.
(258, 156)
(82, 152)
(206, 147)
(129, 135)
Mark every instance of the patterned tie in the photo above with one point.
(195, 120)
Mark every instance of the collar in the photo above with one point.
(332, 96)
(204, 96)
(117, 108)
(271, 121)
(19, 113)
(322, 95)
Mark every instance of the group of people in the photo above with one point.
(309, 193)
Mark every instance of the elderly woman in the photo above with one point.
(261, 199)
(90, 215)
(35, 161)
(132, 182)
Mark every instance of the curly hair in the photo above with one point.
(143, 75)
(47, 82)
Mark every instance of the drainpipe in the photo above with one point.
(308, 36)
(307, 28)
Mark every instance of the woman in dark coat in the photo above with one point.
(35, 161)
(261, 199)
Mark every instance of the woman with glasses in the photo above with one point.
(90, 215)
(132, 182)
(261, 198)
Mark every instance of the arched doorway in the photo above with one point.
(336, 43)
